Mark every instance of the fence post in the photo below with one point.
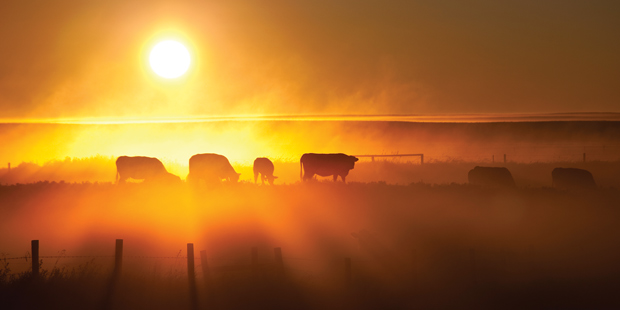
(9, 167)
(584, 157)
(421, 159)
(206, 273)
(190, 264)
(347, 272)
(504, 158)
(492, 158)
(118, 258)
(191, 276)
(34, 245)
(279, 262)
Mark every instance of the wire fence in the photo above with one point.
(32, 263)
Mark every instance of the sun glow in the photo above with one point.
(169, 59)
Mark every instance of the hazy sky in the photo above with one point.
(75, 58)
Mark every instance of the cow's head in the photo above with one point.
(171, 178)
(271, 178)
(352, 160)
(235, 177)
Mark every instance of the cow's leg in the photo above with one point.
(335, 177)
(344, 177)
(255, 177)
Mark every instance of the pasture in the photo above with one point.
(434, 242)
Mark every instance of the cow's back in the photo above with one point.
(211, 165)
(491, 177)
(263, 165)
(572, 178)
(327, 164)
(139, 167)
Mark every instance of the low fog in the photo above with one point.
(414, 231)
(243, 141)
(422, 241)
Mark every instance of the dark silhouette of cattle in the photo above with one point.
(572, 178)
(142, 168)
(491, 177)
(211, 168)
(326, 165)
(263, 167)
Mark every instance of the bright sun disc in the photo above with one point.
(169, 59)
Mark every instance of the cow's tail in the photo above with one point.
(301, 164)
(117, 177)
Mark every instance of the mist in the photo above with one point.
(242, 141)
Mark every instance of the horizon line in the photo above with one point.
(413, 118)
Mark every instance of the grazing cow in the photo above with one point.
(211, 168)
(142, 168)
(264, 167)
(326, 165)
(572, 178)
(491, 177)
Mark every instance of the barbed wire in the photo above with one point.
(152, 257)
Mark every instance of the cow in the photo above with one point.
(491, 177)
(142, 168)
(326, 165)
(263, 167)
(572, 178)
(211, 168)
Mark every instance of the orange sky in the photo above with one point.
(71, 58)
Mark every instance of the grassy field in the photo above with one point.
(433, 242)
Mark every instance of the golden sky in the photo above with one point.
(73, 58)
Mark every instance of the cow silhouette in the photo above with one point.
(491, 177)
(142, 168)
(211, 168)
(572, 178)
(326, 165)
(263, 167)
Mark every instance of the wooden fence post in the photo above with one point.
(504, 158)
(584, 157)
(492, 158)
(347, 272)
(421, 159)
(118, 258)
(191, 276)
(279, 262)
(206, 273)
(34, 245)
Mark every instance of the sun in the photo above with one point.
(169, 59)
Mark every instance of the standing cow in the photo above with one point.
(326, 165)
(263, 167)
(491, 177)
(142, 168)
(211, 168)
(572, 178)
